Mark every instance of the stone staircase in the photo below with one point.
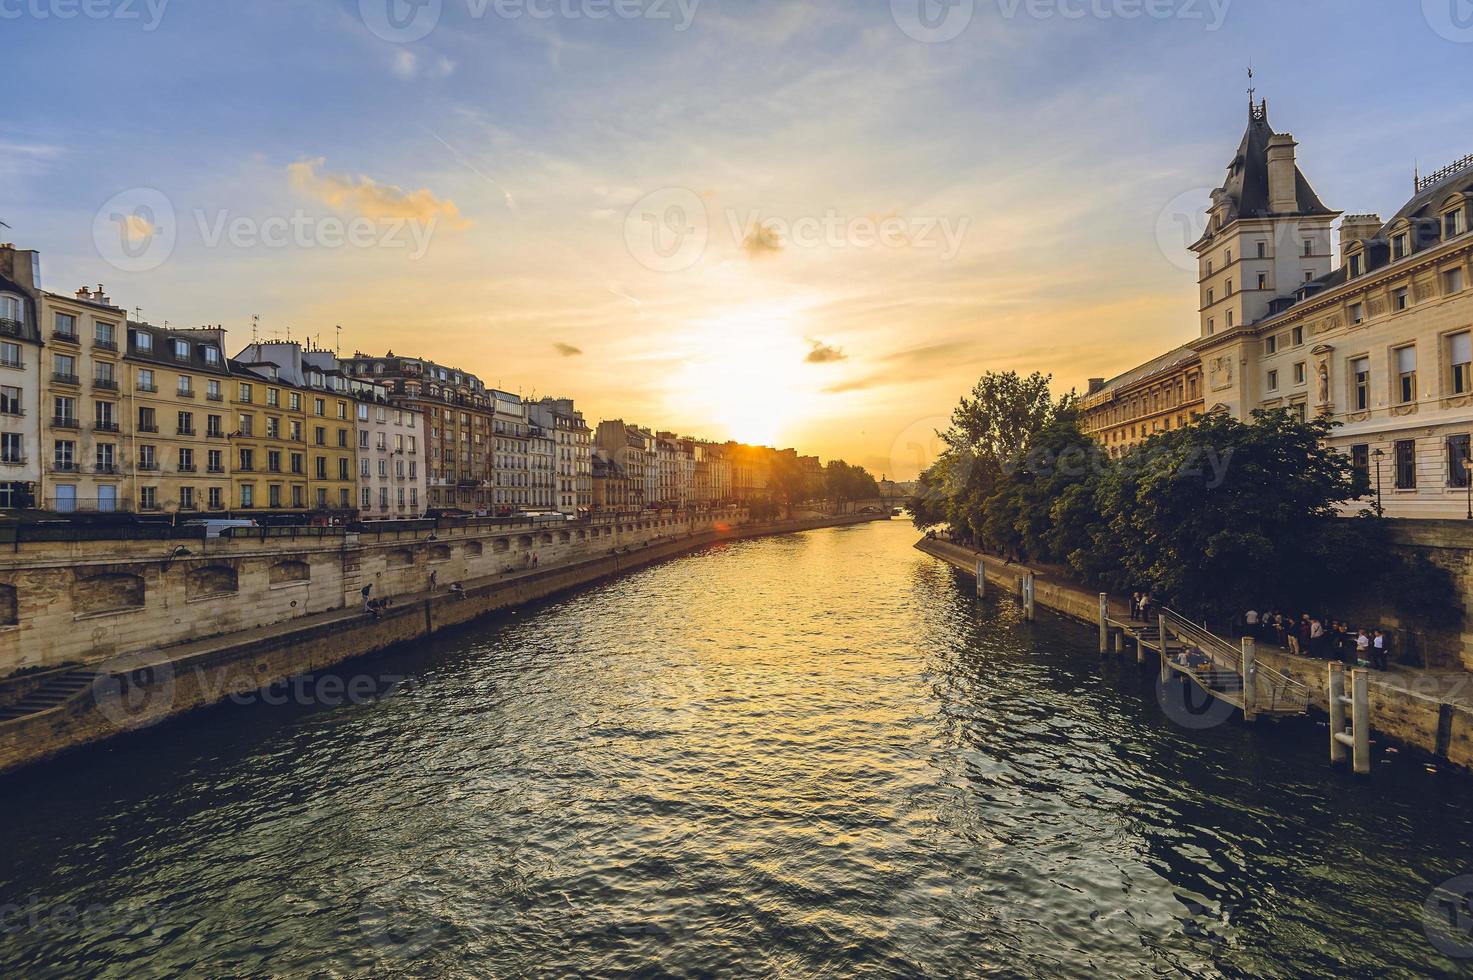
(53, 692)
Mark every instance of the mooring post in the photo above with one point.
(1118, 642)
(1028, 596)
(1250, 692)
(981, 578)
(1336, 698)
(1360, 718)
(1104, 622)
(1161, 625)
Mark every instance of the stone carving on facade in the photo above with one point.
(1378, 306)
(1423, 290)
(1222, 373)
(1322, 375)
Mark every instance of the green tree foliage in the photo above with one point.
(844, 483)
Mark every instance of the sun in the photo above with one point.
(748, 377)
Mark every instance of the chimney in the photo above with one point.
(84, 293)
(1283, 195)
(1356, 228)
(1095, 384)
(19, 266)
(101, 297)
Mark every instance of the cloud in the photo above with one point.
(823, 353)
(406, 65)
(369, 198)
(567, 350)
(915, 364)
(762, 241)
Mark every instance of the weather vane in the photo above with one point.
(1252, 89)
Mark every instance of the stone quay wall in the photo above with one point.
(1428, 710)
(84, 601)
(156, 681)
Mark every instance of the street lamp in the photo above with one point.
(1378, 453)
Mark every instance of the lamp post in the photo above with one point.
(1378, 453)
(1468, 483)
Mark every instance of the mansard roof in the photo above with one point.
(1246, 186)
(1167, 363)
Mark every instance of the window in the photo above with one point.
(1273, 381)
(1360, 458)
(1309, 275)
(1298, 335)
(1406, 374)
(273, 495)
(181, 349)
(247, 426)
(1211, 297)
(319, 407)
(367, 498)
(1263, 250)
(1230, 319)
(10, 401)
(143, 340)
(216, 500)
(1355, 266)
(247, 460)
(294, 401)
(184, 423)
(212, 390)
(64, 455)
(247, 495)
(186, 460)
(1453, 224)
(321, 462)
(212, 355)
(1357, 313)
(147, 459)
(186, 498)
(245, 393)
(343, 472)
(1228, 289)
(1406, 464)
(215, 461)
(1263, 280)
(1458, 460)
(65, 325)
(1399, 246)
(1211, 325)
(273, 397)
(12, 447)
(1299, 373)
(1452, 281)
(64, 368)
(106, 334)
(1399, 299)
(186, 386)
(273, 461)
(148, 498)
(1460, 356)
(214, 426)
(299, 464)
(1308, 247)
(1271, 345)
(10, 355)
(1360, 374)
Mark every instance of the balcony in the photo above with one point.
(14, 411)
(58, 378)
(148, 466)
(63, 466)
(214, 434)
(219, 506)
(105, 469)
(64, 337)
(148, 427)
(88, 505)
(147, 387)
(13, 460)
(187, 468)
(184, 432)
(105, 384)
(105, 345)
(101, 426)
(215, 469)
(64, 422)
(185, 392)
(11, 328)
(214, 396)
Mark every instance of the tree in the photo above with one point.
(844, 484)
(786, 480)
(1224, 513)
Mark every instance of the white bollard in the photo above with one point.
(1028, 608)
(1336, 698)
(981, 578)
(1360, 718)
(1250, 693)
(1104, 622)
(1165, 655)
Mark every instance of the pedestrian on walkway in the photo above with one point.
(1250, 623)
(1379, 651)
(434, 581)
(365, 592)
(1362, 649)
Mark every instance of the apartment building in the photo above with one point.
(82, 425)
(20, 379)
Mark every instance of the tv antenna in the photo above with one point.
(255, 329)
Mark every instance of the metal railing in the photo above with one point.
(1273, 690)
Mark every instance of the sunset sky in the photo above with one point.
(581, 194)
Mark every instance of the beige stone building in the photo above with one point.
(1160, 395)
(20, 380)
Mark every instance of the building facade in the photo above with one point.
(20, 379)
(1160, 395)
(572, 454)
(633, 449)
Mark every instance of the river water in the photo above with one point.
(813, 755)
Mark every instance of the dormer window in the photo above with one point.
(1355, 266)
(1399, 246)
(1454, 224)
(143, 341)
(212, 355)
(181, 350)
(12, 308)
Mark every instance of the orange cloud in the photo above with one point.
(371, 199)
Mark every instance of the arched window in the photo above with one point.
(12, 308)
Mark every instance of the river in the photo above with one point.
(813, 755)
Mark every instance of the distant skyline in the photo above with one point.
(769, 221)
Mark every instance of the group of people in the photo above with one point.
(1320, 636)
(1143, 606)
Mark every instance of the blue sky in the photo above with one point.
(1054, 146)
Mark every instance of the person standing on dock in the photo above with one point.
(1378, 651)
(434, 581)
(1250, 622)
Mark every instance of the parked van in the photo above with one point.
(213, 528)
